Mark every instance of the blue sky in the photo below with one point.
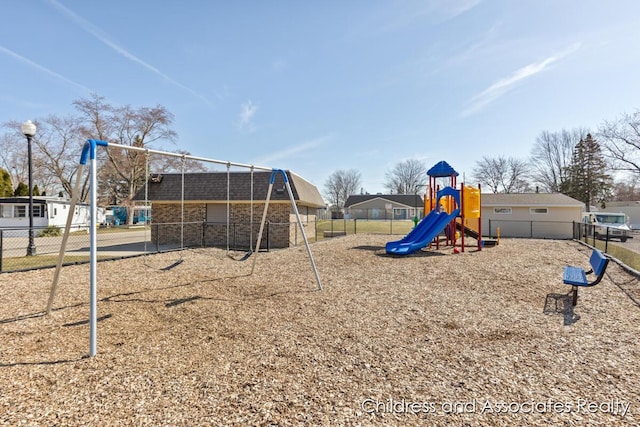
(316, 86)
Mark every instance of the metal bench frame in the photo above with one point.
(576, 276)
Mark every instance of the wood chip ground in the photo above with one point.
(472, 339)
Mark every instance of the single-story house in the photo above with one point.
(384, 206)
(205, 208)
(47, 211)
(537, 215)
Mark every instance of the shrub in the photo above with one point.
(51, 231)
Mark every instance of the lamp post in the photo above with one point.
(29, 130)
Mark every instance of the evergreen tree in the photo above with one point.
(6, 188)
(587, 177)
(36, 191)
(21, 190)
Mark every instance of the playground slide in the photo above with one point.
(422, 234)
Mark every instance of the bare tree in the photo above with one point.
(622, 142)
(627, 189)
(59, 144)
(174, 164)
(13, 153)
(124, 171)
(551, 155)
(13, 157)
(59, 140)
(340, 185)
(407, 177)
(503, 174)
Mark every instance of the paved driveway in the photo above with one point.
(632, 244)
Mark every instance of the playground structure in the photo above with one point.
(454, 211)
(89, 154)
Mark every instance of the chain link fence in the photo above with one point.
(529, 229)
(341, 227)
(624, 246)
(123, 241)
(127, 241)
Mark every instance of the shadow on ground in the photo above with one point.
(561, 304)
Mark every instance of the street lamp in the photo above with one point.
(29, 130)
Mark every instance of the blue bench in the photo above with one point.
(577, 277)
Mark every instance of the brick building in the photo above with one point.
(210, 221)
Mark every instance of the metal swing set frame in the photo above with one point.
(89, 154)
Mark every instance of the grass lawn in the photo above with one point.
(625, 255)
(364, 226)
(40, 261)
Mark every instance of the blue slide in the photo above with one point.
(423, 233)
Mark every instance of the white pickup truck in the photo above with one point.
(615, 222)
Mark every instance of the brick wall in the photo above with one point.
(282, 230)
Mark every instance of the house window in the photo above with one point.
(5, 211)
(20, 211)
(502, 211)
(216, 212)
(37, 211)
(400, 213)
(535, 211)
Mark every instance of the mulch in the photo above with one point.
(478, 338)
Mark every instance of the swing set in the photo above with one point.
(89, 154)
(149, 178)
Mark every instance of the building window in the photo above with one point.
(5, 211)
(20, 211)
(37, 211)
(216, 212)
(502, 211)
(535, 211)
(400, 213)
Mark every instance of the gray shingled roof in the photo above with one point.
(529, 199)
(410, 200)
(212, 186)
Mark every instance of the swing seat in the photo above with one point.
(243, 257)
(172, 266)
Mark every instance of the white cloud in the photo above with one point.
(503, 85)
(247, 111)
(296, 151)
(104, 38)
(405, 14)
(43, 69)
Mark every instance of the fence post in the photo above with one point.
(157, 237)
(1, 251)
(606, 242)
(355, 225)
(268, 236)
(531, 229)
